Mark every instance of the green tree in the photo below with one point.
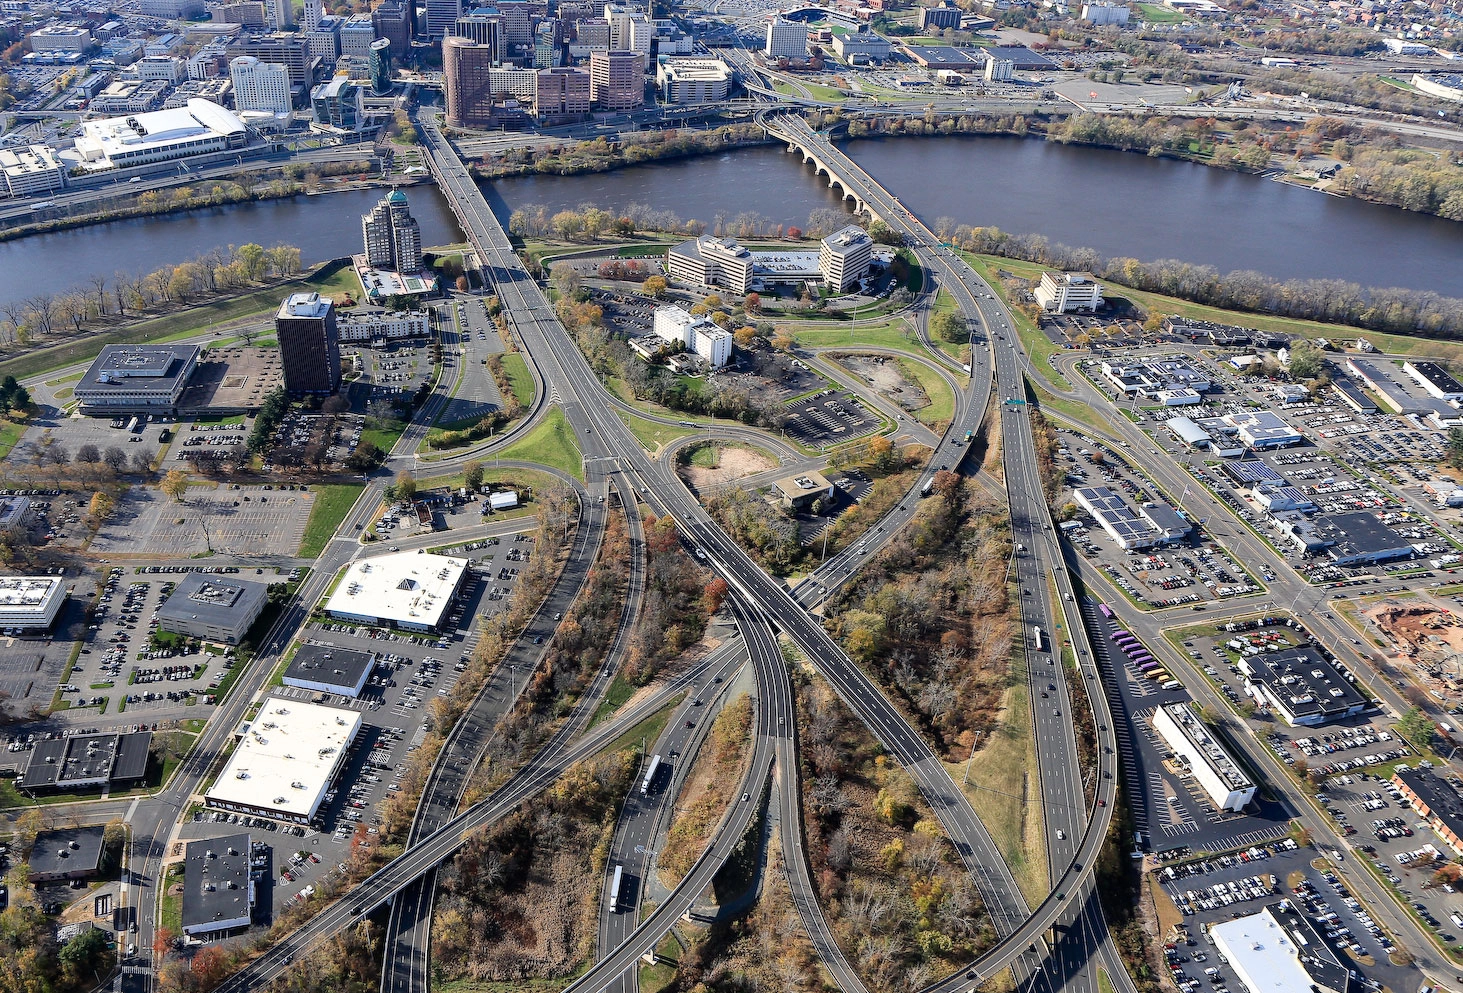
(1307, 361)
(883, 234)
(472, 474)
(949, 326)
(1455, 447)
(175, 484)
(1416, 727)
(251, 256)
(406, 485)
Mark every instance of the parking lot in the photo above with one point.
(477, 395)
(830, 418)
(235, 520)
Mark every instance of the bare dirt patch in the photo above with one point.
(732, 463)
(883, 374)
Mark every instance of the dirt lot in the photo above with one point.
(732, 463)
(883, 374)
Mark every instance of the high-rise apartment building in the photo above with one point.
(392, 236)
(786, 39)
(617, 80)
(261, 86)
(309, 344)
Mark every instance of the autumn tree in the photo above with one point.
(472, 475)
(714, 595)
(406, 486)
(175, 484)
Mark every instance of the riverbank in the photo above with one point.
(607, 154)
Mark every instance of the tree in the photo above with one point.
(251, 259)
(654, 286)
(752, 304)
(1307, 361)
(406, 486)
(115, 458)
(883, 234)
(472, 474)
(714, 595)
(949, 326)
(101, 507)
(1416, 727)
(88, 453)
(175, 484)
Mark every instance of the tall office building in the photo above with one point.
(548, 45)
(786, 39)
(617, 80)
(380, 65)
(441, 15)
(467, 81)
(324, 39)
(308, 343)
(356, 35)
(263, 86)
(562, 95)
(289, 50)
(312, 12)
(517, 18)
(481, 27)
(393, 22)
(392, 236)
(281, 13)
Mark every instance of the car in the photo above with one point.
(746, 797)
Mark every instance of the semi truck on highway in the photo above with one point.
(1037, 638)
(649, 775)
(615, 889)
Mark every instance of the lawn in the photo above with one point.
(332, 503)
(648, 730)
(895, 334)
(384, 438)
(653, 435)
(551, 443)
(10, 433)
(170, 912)
(942, 398)
(330, 278)
(1154, 14)
(519, 378)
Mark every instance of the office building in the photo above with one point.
(309, 347)
(213, 608)
(311, 14)
(1212, 766)
(86, 762)
(337, 104)
(30, 603)
(285, 760)
(260, 86)
(172, 10)
(60, 38)
(71, 853)
(617, 80)
(467, 80)
(591, 34)
(281, 13)
(482, 27)
(697, 334)
(323, 40)
(356, 35)
(1060, 292)
(861, 47)
(410, 590)
(329, 669)
(687, 80)
(786, 39)
(392, 21)
(218, 886)
(291, 50)
(161, 69)
(1302, 686)
(799, 493)
(441, 15)
(392, 237)
(517, 18)
(939, 18)
(844, 257)
(381, 325)
(15, 512)
(562, 95)
(1436, 799)
(31, 169)
(708, 261)
(1279, 950)
(548, 45)
(379, 64)
(136, 379)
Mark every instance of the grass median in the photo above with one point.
(331, 505)
(550, 443)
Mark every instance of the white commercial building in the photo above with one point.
(1213, 767)
(1059, 292)
(160, 136)
(1278, 950)
(1263, 429)
(30, 603)
(356, 35)
(999, 70)
(1105, 13)
(786, 39)
(285, 760)
(692, 80)
(844, 256)
(709, 261)
(407, 589)
(260, 86)
(60, 38)
(697, 333)
(353, 325)
(31, 169)
(161, 68)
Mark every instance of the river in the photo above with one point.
(1118, 203)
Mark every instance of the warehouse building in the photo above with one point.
(213, 608)
(1360, 539)
(330, 669)
(285, 761)
(1213, 767)
(136, 379)
(1188, 432)
(1302, 686)
(411, 590)
(218, 888)
(1435, 798)
(1354, 396)
(1436, 380)
(73, 853)
(86, 762)
(1394, 395)
(1278, 950)
(30, 603)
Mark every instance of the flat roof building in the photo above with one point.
(1213, 767)
(1278, 950)
(1435, 798)
(708, 261)
(1059, 292)
(411, 590)
(803, 490)
(1263, 429)
(1436, 380)
(692, 80)
(86, 761)
(218, 888)
(136, 379)
(214, 608)
(1109, 510)
(72, 853)
(844, 256)
(30, 603)
(617, 80)
(31, 169)
(309, 343)
(285, 760)
(1380, 381)
(330, 669)
(1302, 686)
(698, 334)
(200, 128)
(1358, 538)
(786, 39)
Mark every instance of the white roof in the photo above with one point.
(286, 759)
(405, 587)
(159, 127)
(1267, 956)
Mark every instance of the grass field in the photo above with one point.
(551, 443)
(895, 334)
(942, 398)
(330, 278)
(1003, 791)
(10, 433)
(332, 503)
(649, 729)
(1154, 14)
(653, 435)
(383, 438)
(519, 378)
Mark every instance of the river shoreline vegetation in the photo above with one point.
(605, 153)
